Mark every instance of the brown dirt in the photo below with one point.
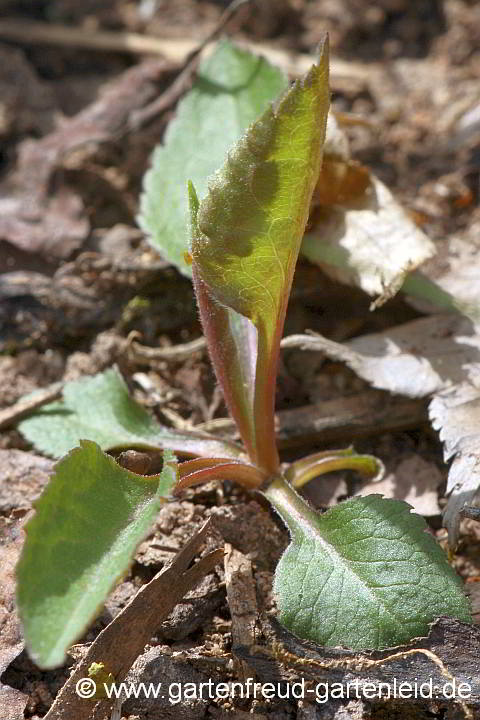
(67, 310)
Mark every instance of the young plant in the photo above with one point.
(365, 574)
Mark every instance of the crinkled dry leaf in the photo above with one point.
(360, 235)
(416, 359)
(371, 243)
(439, 356)
(456, 414)
(451, 279)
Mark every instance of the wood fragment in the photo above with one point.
(242, 603)
(174, 353)
(11, 415)
(340, 420)
(176, 52)
(120, 643)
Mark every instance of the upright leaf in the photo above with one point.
(233, 343)
(87, 524)
(248, 230)
(364, 575)
(232, 88)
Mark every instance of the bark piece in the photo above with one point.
(123, 640)
(242, 603)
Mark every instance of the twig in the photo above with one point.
(176, 52)
(33, 32)
(25, 406)
(182, 81)
(39, 33)
(339, 420)
(174, 353)
(120, 643)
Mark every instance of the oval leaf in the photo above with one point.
(364, 575)
(81, 540)
(232, 88)
(100, 408)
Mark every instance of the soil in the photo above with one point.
(74, 287)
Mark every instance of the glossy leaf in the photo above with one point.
(363, 575)
(248, 230)
(100, 408)
(81, 540)
(232, 88)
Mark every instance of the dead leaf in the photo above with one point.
(359, 233)
(415, 359)
(455, 272)
(372, 243)
(455, 413)
(415, 481)
(436, 356)
(38, 218)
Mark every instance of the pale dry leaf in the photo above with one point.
(437, 356)
(416, 359)
(414, 480)
(456, 414)
(452, 277)
(369, 242)
(372, 244)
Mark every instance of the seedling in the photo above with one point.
(365, 574)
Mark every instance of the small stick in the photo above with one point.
(182, 81)
(25, 406)
(174, 353)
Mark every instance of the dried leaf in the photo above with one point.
(31, 217)
(370, 242)
(437, 356)
(415, 481)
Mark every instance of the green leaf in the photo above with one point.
(232, 88)
(233, 345)
(87, 525)
(248, 230)
(100, 408)
(364, 575)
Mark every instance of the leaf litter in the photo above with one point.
(351, 102)
(437, 357)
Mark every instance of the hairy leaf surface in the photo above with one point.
(248, 229)
(100, 408)
(364, 575)
(87, 525)
(232, 88)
